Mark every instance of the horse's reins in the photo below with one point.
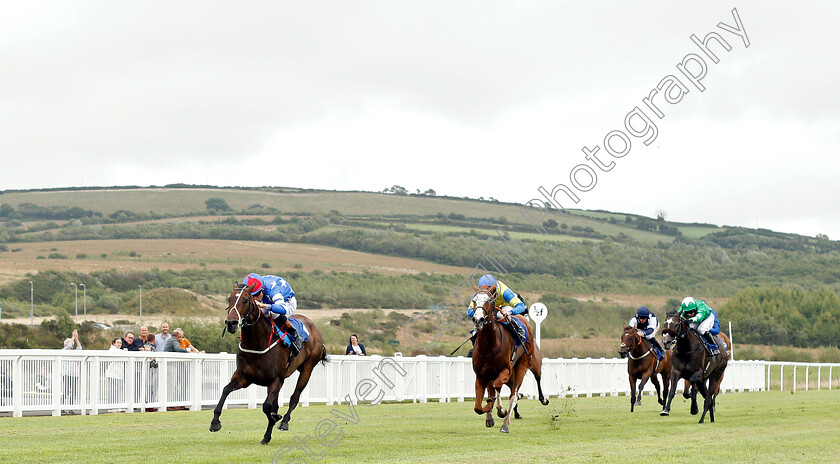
(636, 341)
(244, 323)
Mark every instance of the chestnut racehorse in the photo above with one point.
(494, 349)
(263, 362)
(643, 365)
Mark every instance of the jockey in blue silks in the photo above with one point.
(277, 299)
(504, 298)
(646, 322)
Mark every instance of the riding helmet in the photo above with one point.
(643, 312)
(253, 279)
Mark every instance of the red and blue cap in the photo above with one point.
(255, 280)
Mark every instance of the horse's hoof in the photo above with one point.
(694, 410)
(544, 402)
(686, 395)
(639, 403)
(517, 416)
(504, 429)
(502, 413)
(664, 413)
(215, 426)
(265, 441)
(489, 423)
(284, 426)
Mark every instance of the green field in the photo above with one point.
(750, 428)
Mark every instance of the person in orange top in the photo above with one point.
(183, 342)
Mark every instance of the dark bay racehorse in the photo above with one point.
(494, 349)
(692, 362)
(643, 364)
(263, 360)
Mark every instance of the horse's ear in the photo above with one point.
(475, 287)
(250, 288)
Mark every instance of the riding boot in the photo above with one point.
(660, 352)
(473, 336)
(710, 339)
(517, 331)
(297, 344)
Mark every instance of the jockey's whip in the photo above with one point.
(459, 346)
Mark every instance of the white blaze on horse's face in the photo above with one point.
(479, 299)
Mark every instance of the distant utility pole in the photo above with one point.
(141, 304)
(31, 302)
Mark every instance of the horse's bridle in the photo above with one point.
(243, 320)
(488, 319)
(637, 340)
(682, 325)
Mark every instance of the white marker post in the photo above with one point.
(538, 313)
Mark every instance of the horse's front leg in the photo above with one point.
(514, 397)
(500, 381)
(237, 381)
(666, 384)
(675, 377)
(697, 385)
(632, 392)
(270, 406)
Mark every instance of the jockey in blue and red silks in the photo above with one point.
(277, 299)
(508, 302)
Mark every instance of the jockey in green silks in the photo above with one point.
(701, 318)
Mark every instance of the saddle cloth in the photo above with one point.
(303, 333)
(522, 326)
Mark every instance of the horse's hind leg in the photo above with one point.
(272, 400)
(655, 383)
(536, 369)
(303, 379)
(237, 381)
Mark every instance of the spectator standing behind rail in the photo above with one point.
(70, 370)
(163, 337)
(180, 344)
(74, 339)
(355, 348)
(131, 343)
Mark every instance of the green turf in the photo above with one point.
(750, 428)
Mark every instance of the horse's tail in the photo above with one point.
(324, 358)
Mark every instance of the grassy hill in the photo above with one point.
(388, 251)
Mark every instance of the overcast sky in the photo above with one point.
(469, 98)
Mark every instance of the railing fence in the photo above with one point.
(92, 382)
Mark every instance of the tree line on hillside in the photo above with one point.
(785, 316)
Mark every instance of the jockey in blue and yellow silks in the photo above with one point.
(504, 298)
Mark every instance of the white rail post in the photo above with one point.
(130, 383)
(56, 385)
(794, 378)
(83, 384)
(781, 377)
(17, 388)
(163, 383)
(819, 377)
(95, 380)
(197, 384)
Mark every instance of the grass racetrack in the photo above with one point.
(751, 428)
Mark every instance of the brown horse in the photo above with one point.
(687, 388)
(692, 362)
(263, 362)
(644, 365)
(492, 355)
